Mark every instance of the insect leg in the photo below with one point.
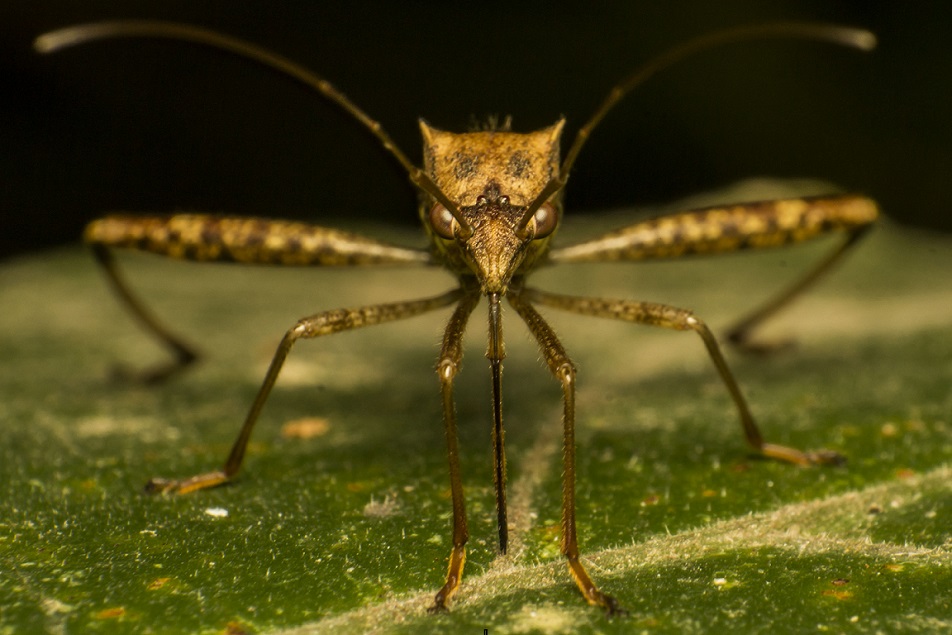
(183, 354)
(450, 358)
(740, 333)
(683, 320)
(207, 238)
(324, 323)
(564, 371)
(731, 228)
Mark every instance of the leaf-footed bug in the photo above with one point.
(491, 202)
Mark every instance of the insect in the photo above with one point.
(490, 204)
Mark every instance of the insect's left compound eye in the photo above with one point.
(544, 221)
(442, 222)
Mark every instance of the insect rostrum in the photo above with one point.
(491, 202)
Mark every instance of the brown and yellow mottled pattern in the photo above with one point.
(723, 229)
(461, 164)
(491, 176)
(337, 320)
(246, 240)
(648, 313)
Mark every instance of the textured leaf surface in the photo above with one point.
(340, 520)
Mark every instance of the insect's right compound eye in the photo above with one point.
(442, 222)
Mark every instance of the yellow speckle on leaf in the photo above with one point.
(235, 628)
(111, 614)
(838, 594)
(305, 428)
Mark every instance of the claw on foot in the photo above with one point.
(826, 457)
(612, 607)
(803, 459)
(185, 486)
(159, 486)
(438, 607)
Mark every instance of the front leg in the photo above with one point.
(563, 370)
(450, 357)
(206, 238)
(683, 320)
(317, 325)
(744, 226)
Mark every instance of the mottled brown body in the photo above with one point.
(491, 201)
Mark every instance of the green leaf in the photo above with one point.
(347, 529)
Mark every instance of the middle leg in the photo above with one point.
(684, 320)
(318, 325)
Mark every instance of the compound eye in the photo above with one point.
(442, 222)
(544, 221)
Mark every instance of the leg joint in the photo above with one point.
(565, 373)
(447, 370)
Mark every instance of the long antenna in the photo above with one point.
(82, 33)
(843, 36)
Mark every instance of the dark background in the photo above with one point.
(157, 126)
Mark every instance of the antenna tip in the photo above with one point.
(45, 43)
(864, 40)
(52, 41)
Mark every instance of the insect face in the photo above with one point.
(492, 177)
